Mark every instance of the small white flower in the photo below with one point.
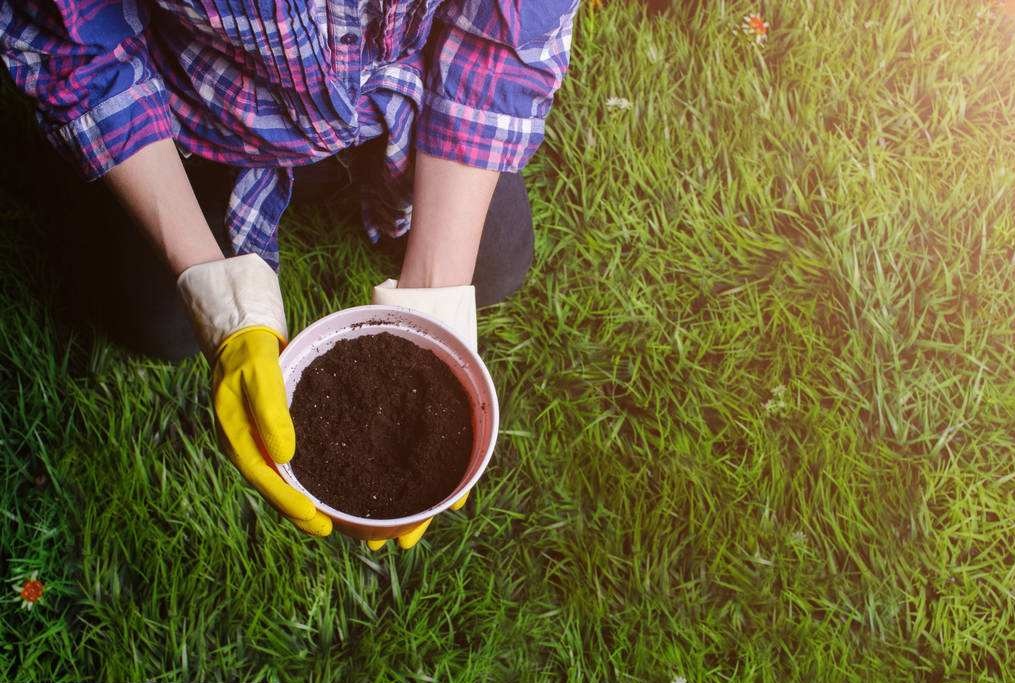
(618, 103)
(777, 405)
(988, 9)
(799, 537)
(654, 54)
(679, 679)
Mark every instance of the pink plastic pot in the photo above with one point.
(426, 333)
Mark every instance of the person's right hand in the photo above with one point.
(456, 308)
(236, 307)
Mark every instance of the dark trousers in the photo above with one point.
(116, 282)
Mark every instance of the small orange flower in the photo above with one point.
(756, 27)
(31, 590)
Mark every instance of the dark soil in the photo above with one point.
(383, 428)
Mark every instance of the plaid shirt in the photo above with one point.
(265, 86)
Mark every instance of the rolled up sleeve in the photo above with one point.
(492, 70)
(86, 64)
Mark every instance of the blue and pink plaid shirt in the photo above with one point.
(265, 85)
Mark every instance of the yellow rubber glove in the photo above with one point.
(456, 308)
(253, 419)
(236, 307)
(411, 538)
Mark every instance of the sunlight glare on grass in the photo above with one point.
(756, 396)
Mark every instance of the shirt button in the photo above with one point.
(349, 39)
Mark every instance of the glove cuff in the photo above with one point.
(453, 306)
(226, 296)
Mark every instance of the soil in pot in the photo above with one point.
(383, 427)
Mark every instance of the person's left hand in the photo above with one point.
(456, 308)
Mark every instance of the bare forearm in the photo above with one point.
(153, 186)
(450, 201)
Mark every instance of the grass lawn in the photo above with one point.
(758, 399)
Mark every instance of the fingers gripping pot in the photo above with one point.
(428, 334)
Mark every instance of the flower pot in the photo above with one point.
(426, 333)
